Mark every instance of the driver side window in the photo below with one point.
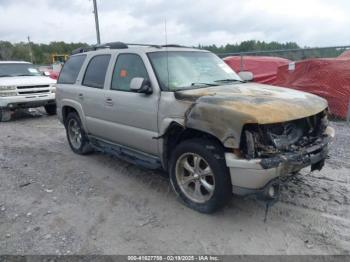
(126, 68)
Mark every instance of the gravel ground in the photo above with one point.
(53, 201)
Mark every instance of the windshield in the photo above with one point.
(179, 70)
(18, 69)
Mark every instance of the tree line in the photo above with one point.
(41, 53)
(293, 50)
(35, 52)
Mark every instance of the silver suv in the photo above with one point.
(185, 111)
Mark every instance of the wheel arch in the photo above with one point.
(176, 133)
(71, 106)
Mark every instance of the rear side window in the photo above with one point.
(96, 71)
(71, 69)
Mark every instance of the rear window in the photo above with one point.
(71, 69)
(96, 71)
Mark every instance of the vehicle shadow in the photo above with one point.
(157, 182)
(24, 114)
(296, 191)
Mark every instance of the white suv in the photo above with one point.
(23, 86)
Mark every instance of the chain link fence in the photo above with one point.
(323, 71)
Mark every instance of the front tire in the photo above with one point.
(5, 115)
(50, 109)
(199, 175)
(76, 136)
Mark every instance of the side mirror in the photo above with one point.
(140, 85)
(246, 75)
(46, 73)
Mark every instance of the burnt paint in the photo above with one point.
(223, 110)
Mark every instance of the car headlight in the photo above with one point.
(2, 88)
(53, 88)
(4, 94)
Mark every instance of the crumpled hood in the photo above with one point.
(224, 110)
(26, 80)
(259, 103)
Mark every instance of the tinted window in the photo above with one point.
(71, 69)
(126, 68)
(96, 71)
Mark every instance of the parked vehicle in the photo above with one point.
(23, 86)
(264, 68)
(48, 71)
(185, 111)
(54, 74)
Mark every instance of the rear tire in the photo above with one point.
(50, 109)
(77, 139)
(199, 175)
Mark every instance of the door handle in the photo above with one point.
(109, 101)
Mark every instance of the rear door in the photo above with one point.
(68, 84)
(92, 93)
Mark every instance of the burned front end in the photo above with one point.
(300, 143)
(270, 151)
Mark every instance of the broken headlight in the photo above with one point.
(259, 141)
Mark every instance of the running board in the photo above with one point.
(125, 153)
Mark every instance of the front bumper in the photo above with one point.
(14, 102)
(252, 176)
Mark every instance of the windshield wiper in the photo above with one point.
(229, 80)
(196, 85)
(203, 84)
(24, 75)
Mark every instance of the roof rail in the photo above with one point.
(157, 46)
(150, 45)
(172, 45)
(80, 50)
(111, 45)
(117, 45)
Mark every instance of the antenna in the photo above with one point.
(166, 34)
(167, 54)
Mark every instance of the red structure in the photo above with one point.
(325, 77)
(264, 68)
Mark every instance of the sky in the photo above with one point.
(192, 22)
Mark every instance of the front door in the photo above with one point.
(132, 116)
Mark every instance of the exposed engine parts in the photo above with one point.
(284, 135)
(282, 139)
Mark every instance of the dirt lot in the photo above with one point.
(53, 201)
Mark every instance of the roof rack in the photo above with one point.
(172, 45)
(112, 45)
(150, 45)
(117, 45)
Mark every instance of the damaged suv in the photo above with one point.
(185, 111)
